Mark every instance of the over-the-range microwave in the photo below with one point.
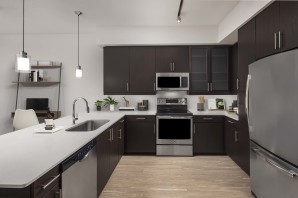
(172, 81)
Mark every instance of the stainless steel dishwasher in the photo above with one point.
(79, 173)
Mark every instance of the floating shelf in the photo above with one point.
(46, 67)
(37, 84)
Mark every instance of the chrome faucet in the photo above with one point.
(74, 114)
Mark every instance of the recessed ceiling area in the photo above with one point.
(203, 21)
(57, 16)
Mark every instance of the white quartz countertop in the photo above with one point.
(26, 155)
(215, 112)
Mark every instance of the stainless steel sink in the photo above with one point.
(89, 125)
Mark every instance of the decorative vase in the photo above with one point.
(98, 108)
(112, 107)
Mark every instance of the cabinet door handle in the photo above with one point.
(230, 122)
(275, 42)
(141, 118)
(173, 66)
(154, 129)
(237, 84)
(211, 87)
(110, 135)
(121, 121)
(207, 118)
(50, 182)
(194, 128)
(120, 135)
(208, 86)
(127, 87)
(236, 136)
(279, 40)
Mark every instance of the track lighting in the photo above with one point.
(179, 12)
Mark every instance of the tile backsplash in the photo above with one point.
(192, 99)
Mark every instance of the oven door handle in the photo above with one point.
(174, 117)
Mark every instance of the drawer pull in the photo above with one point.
(230, 122)
(120, 135)
(141, 118)
(207, 118)
(50, 182)
(121, 121)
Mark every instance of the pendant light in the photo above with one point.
(79, 72)
(22, 59)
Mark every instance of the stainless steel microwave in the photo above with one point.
(172, 81)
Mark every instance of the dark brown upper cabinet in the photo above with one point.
(209, 70)
(116, 70)
(142, 70)
(129, 70)
(276, 28)
(172, 59)
(234, 79)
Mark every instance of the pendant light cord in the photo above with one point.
(23, 25)
(79, 39)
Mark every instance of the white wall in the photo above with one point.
(63, 47)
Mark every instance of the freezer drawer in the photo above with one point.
(270, 176)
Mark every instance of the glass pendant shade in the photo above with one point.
(79, 72)
(23, 63)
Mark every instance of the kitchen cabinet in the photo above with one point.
(142, 70)
(234, 79)
(208, 135)
(232, 140)
(209, 70)
(47, 186)
(276, 28)
(109, 151)
(172, 59)
(236, 144)
(116, 70)
(140, 135)
(129, 70)
(246, 56)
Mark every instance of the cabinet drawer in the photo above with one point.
(44, 184)
(208, 119)
(140, 118)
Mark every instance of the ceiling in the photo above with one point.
(57, 16)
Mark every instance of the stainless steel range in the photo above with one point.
(174, 127)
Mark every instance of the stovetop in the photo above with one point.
(172, 106)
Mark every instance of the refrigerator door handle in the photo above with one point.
(246, 97)
(275, 164)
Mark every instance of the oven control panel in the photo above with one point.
(171, 101)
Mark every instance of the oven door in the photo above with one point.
(174, 129)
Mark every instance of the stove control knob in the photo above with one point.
(182, 101)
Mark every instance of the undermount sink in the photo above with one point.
(89, 125)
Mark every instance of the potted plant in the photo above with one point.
(110, 101)
(98, 104)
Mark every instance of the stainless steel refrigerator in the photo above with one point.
(272, 109)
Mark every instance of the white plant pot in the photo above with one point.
(112, 107)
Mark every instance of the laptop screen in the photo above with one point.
(37, 104)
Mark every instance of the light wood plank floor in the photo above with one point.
(183, 177)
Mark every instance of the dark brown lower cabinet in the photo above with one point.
(110, 148)
(47, 186)
(237, 144)
(208, 135)
(140, 135)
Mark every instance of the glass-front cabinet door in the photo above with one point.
(199, 70)
(219, 69)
